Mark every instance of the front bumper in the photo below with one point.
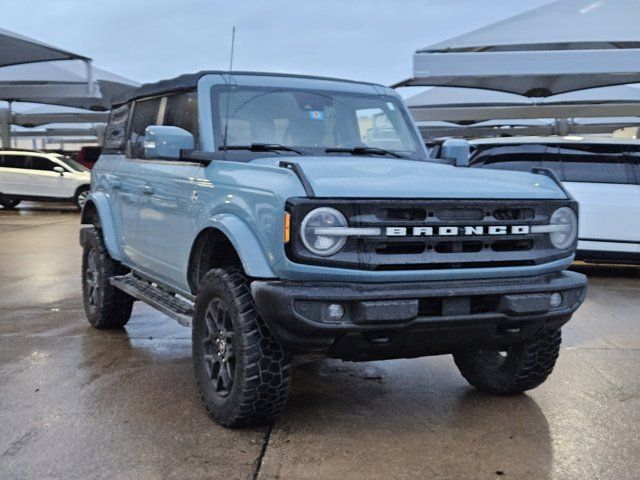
(411, 319)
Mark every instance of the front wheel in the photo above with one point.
(243, 373)
(511, 371)
(81, 197)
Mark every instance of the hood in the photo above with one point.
(379, 177)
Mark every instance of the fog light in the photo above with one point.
(556, 300)
(334, 312)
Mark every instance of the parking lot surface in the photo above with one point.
(77, 403)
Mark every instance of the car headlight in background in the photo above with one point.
(563, 237)
(319, 221)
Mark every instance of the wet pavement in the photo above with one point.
(77, 403)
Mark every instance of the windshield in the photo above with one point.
(72, 164)
(313, 121)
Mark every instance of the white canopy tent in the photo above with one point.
(17, 49)
(57, 83)
(563, 46)
(51, 114)
(472, 105)
(478, 112)
(41, 123)
(62, 83)
(32, 71)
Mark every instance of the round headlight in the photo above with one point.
(324, 245)
(564, 237)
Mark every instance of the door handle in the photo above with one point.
(148, 189)
(116, 184)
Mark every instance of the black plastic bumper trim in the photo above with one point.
(522, 303)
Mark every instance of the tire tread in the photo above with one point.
(533, 363)
(267, 377)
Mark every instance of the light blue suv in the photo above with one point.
(283, 215)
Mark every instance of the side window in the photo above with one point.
(41, 163)
(633, 159)
(15, 161)
(114, 136)
(145, 113)
(181, 110)
(596, 164)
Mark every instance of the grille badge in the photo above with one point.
(449, 231)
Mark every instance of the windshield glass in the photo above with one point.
(72, 164)
(313, 121)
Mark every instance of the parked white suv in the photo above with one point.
(603, 174)
(38, 176)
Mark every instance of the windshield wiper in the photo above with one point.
(262, 147)
(363, 151)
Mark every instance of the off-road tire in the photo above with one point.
(9, 202)
(106, 306)
(525, 366)
(260, 370)
(79, 199)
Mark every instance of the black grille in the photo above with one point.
(434, 252)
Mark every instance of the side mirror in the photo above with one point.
(458, 150)
(59, 169)
(166, 142)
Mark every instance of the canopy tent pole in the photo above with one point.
(89, 69)
(5, 126)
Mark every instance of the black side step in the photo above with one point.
(158, 298)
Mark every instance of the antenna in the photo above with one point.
(226, 121)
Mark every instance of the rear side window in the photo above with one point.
(114, 136)
(587, 165)
(583, 163)
(16, 161)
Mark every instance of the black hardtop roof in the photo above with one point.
(189, 81)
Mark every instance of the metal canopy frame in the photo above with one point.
(473, 114)
(437, 130)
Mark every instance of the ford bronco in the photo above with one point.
(282, 216)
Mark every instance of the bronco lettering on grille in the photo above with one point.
(470, 230)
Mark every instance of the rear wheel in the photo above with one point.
(518, 368)
(242, 371)
(9, 202)
(105, 305)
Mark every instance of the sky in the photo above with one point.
(370, 40)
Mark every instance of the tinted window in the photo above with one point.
(72, 164)
(15, 161)
(572, 163)
(145, 113)
(595, 165)
(114, 136)
(41, 163)
(182, 111)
